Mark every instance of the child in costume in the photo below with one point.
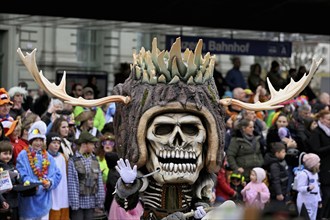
(256, 194)
(36, 165)
(308, 186)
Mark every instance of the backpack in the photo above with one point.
(297, 170)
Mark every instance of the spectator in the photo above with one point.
(60, 200)
(8, 199)
(237, 182)
(234, 77)
(13, 132)
(86, 119)
(259, 127)
(17, 95)
(308, 91)
(256, 194)
(55, 106)
(5, 105)
(292, 74)
(322, 102)
(27, 121)
(28, 99)
(61, 126)
(297, 126)
(319, 143)
(76, 90)
(274, 75)
(223, 190)
(308, 186)
(41, 103)
(278, 177)
(36, 165)
(219, 80)
(86, 190)
(233, 110)
(254, 78)
(99, 118)
(92, 83)
(244, 149)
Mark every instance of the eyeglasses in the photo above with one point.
(108, 142)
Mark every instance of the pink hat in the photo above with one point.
(310, 160)
(261, 174)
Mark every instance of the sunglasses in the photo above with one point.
(108, 142)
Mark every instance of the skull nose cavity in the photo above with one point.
(178, 140)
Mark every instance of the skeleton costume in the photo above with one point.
(169, 124)
(173, 124)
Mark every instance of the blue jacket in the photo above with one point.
(38, 205)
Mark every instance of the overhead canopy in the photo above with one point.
(292, 16)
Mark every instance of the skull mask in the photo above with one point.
(175, 146)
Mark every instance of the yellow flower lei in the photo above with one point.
(33, 160)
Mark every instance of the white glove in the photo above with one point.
(125, 170)
(199, 212)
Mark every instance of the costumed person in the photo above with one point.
(309, 186)
(256, 194)
(169, 130)
(13, 131)
(5, 105)
(36, 165)
(85, 185)
(60, 197)
(17, 95)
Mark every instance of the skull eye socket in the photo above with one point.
(189, 129)
(163, 129)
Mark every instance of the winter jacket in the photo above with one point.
(277, 173)
(241, 153)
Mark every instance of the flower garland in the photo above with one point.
(33, 160)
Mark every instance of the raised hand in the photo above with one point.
(125, 170)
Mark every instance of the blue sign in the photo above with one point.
(234, 46)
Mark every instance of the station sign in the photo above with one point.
(234, 46)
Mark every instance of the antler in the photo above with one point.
(290, 91)
(59, 91)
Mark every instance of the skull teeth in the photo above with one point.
(182, 154)
(178, 168)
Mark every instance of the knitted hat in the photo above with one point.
(52, 136)
(9, 126)
(4, 97)
(38, 130)
(310, 160)
(17, 90)
(261, 174)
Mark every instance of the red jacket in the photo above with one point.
(223, 188)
